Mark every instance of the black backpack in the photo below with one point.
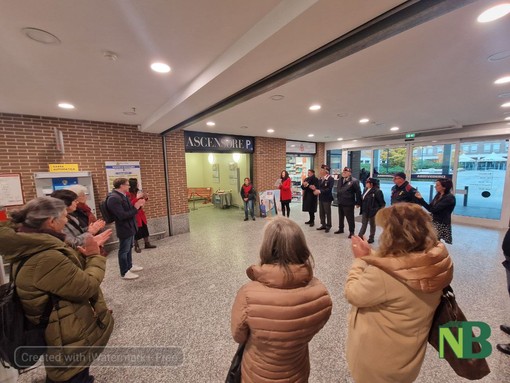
(21, 342)
(103, 207)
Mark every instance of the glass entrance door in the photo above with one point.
(430, 162)
(387, 162)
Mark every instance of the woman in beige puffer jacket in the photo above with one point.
(281, 309)
(394, 293)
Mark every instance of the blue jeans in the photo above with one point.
(125, 257)
(248, 205)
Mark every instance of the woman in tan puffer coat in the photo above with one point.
(394, 293)
(80, 318)
(280, 311)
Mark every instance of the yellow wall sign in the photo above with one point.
(63, 168)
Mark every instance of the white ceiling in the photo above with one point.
(433, 76)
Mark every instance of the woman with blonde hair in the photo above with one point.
(394, 292)
(278, 313)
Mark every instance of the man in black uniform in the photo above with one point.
(402, 191)
(324, 192)
(505, 347)
(348, 196)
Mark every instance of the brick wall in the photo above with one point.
(269, 160)
(320, 156)
(27, 145)
(177, 173)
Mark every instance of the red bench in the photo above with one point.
(196, 194)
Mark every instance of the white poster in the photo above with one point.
(124, 169)
(10, 190)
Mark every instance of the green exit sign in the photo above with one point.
(410, 135)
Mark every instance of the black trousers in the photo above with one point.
(325, 213)
(285, 206)
(346, 212)
(312, 216)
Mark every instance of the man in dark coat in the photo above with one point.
(310, 199)
(505, 347)
(124, 213)
(402, 191)
(325, 194)
(348, 196)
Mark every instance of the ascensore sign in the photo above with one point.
(217, 143)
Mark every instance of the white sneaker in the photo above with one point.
(130, 275)
(136, 268)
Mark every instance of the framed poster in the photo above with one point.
(11, 193)
(216, 173)
(124, 169)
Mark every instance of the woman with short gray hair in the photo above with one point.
(33, 243)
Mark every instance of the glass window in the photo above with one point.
(387, 162)
(487, 148)
(480, 182)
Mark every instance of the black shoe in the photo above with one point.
(339, 232)
(370, 240)
(322, 228)
(312, 224)
(504, 348)
(253, 218)
(326, 230)
(505, 329)
(246, 219)
(350, 235)
(308, 222)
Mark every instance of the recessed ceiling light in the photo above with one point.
(394, 128)
(364, 120)
(160, 67)
(41, 36)
(210, 123)
(354, 140)
(293, 146)
(494, 13)
(507, 118)
(434, 141)
(339, 139)
(505, 105)
(315, 107)
(65, 105)
(499, 56)
(310, 135)
(270, 130)
(502, 80)
(277, 97)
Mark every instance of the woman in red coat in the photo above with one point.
(285, 192)
(134, 195)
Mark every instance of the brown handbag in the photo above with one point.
(449, 311)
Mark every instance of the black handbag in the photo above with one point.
(449, 311)
(234, 372)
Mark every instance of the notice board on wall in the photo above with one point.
(11, 193)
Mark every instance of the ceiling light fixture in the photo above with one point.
(505, 105)
(210, 123)
(499, 56)
(131, 113)
(277, 97)
(270, 130)
(310, 135)
(394, 128)
(315, 107)
(160, 67)
(502, 80)
(339, 139)
(507, 118)
(41, 36)
(364, 120)
(65, 105)
(494, 13)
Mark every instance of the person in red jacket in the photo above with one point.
(285, 192)
(134, 195)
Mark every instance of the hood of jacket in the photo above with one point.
(426, 272)
(14, 246)
(275, 276)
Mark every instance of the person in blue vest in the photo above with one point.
(124, 213)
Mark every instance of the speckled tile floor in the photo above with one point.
(184, 295)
